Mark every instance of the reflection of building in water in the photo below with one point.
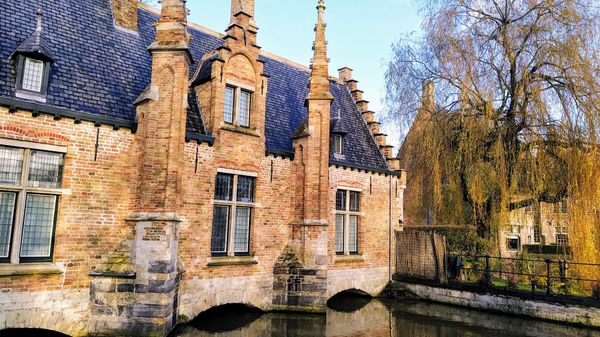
(372, 320)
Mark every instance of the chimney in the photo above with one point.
(345, 74)
(428, 98)
(241, 7)
(125, 13)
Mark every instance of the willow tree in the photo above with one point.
(516, 114)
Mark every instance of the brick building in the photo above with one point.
(151, 169)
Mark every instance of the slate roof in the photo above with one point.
(102, 70)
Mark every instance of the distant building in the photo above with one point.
(536, 229)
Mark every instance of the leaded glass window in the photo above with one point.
(219, 230)
(30, 180)
(7, 216)
(224, 187)
(11, 165)
(38, 225)
(347, 218)
(245, 101)
(338, 144)
(353, 235)
(45, 169)
(33, 74)
(339, 234)
(229, 104)
(340, 200)
(245, 189)
(238, 106)
(242, 229)
(232, 218)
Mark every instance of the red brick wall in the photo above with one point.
(91, 216)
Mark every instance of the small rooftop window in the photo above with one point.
(33, 59)
(338, 144)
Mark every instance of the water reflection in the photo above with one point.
(375, 318)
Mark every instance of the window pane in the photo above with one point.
(229, 95)
(338, 144)
(245, 189)
(353, 235)
(242, 230)
(340, 200)
(536, 233)
(7, 215)
(245, 109)
(11, 165)
(45, 169)
(354, 201)
(513, 243)
(224, 187)
(339, 233)
(32, 75)
(218, 242)
(38, 225)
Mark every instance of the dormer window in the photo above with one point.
(32, 61)
(238, 104)
(339, 131)
(338, 144)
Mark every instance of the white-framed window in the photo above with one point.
(347, 219)
(30, 183)
(562, 235)
(33, 75)
(338, 144)
(238, 106)
(232, 215)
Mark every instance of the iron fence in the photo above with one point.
(552, 277)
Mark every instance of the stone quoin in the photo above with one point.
(151, 169)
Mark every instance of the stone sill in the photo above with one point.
(29, 269)
(231, 261)
(349, 258)
(240, 129)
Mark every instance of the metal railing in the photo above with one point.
(555, 277)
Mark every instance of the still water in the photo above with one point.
(360, 317)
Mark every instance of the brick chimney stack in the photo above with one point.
(427, 100)
(125, 13)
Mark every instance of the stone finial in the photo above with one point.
(39, 13)
(319, 77)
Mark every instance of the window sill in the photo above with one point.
(29, 269)
(231, 261)
(239, 129)
(30, 95)
(349, 258)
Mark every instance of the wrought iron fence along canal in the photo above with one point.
(557, 279)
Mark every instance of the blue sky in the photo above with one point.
(359, 33)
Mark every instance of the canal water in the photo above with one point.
(361, 317)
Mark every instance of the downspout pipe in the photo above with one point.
(390, 231)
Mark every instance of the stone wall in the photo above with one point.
(542, 310)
